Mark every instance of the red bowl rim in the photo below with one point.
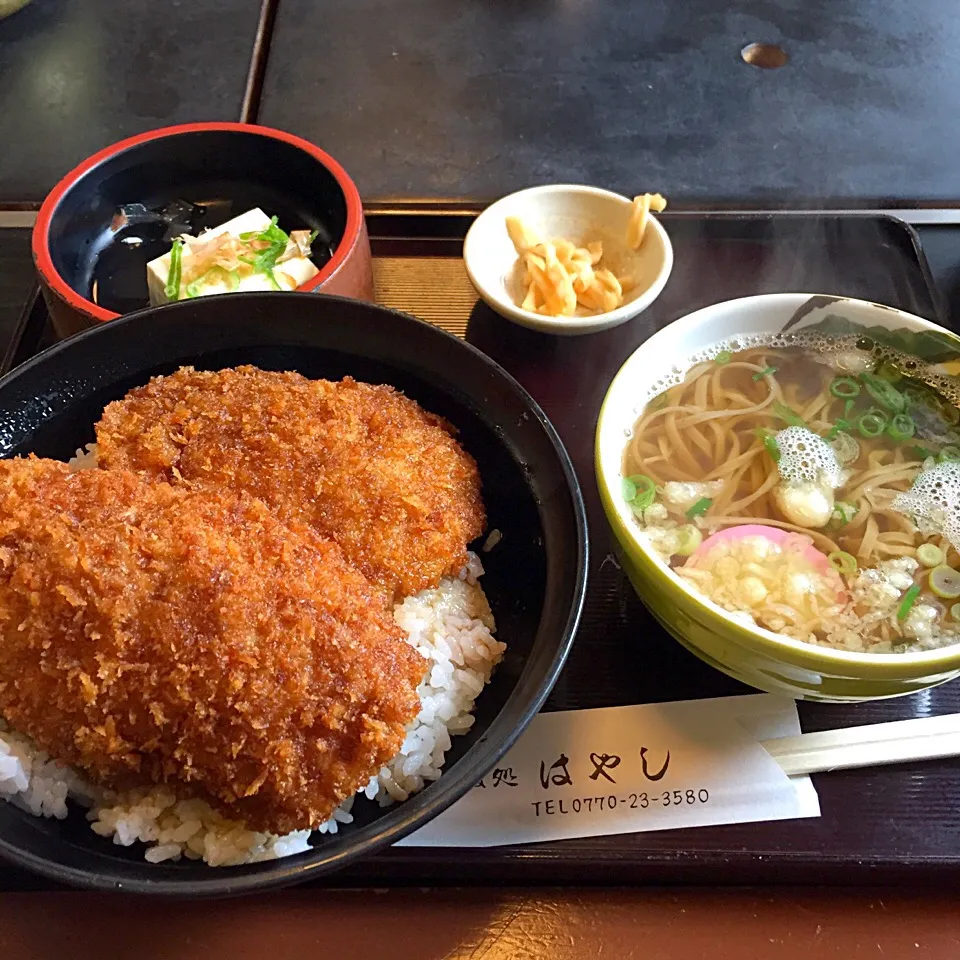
(41, 229)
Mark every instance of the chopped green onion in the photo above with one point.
(689, 538)
(843, 562)
(901, 427)
(265, 258)
(724, 356)
(841, 426)
(930, 555)
(313, 236)
(845, 387)
(843, 423)
(770, 443)
(639, 491)
(788, 415)
(646, 490)
(884, 393)
(230, 278)
(871, 424)
(922, 452)
(945, 582)
(948, 454)
(172, 288)
(909, 599)
(765, 372)
(843, 513)
(955, 611)
(700, 507)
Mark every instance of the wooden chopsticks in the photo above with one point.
(872, 745)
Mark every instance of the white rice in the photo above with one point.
(452, 626)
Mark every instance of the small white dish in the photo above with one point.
(579, 214)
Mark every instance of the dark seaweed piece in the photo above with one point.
(931, 346)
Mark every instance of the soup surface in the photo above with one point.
(812, 486)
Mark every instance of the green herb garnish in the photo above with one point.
(872, 423)
(639, 491)
(724, 356)
(172, 288)
(909, 599)
(901, 427)
(771, 445)
(216, 274)
(844, 387)
(922, 452)
(788, 415)
(765, 372)
(884, 393)
(842, 422)
(700, 507)
(265, 257)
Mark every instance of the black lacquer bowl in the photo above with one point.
(535, 580)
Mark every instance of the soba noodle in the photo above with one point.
(719, 429)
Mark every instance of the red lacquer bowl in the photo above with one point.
(87, 272)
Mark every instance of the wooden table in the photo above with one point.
(482, 924)
(445, 99)
(75, 77)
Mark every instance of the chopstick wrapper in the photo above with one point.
(588, 773)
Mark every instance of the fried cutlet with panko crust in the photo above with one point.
(159, 634)
(362, 464)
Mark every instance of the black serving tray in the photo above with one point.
(888, 825)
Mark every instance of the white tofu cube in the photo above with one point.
(289, 275)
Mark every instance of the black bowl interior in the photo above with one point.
(535, 577)
(223, 172)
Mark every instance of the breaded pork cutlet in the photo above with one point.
(362, 464)
(151, 633)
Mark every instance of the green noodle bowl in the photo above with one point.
(779, 474)
(11, 6)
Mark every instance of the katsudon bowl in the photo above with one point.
(535, 576)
